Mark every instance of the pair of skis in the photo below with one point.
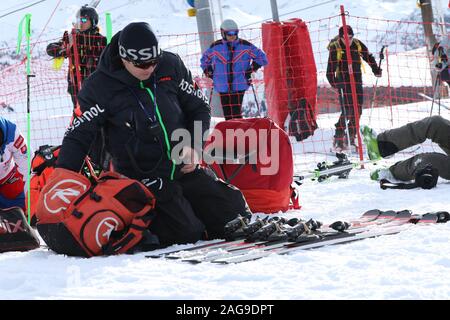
(371, 224)
(393, 227)
(340, 168)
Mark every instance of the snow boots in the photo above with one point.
(370, 140)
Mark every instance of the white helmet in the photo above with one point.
(229, 25)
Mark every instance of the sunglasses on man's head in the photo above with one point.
(232, 33)
(84, 19)
(145, 65)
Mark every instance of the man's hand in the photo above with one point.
(190, 159)
(378, 72)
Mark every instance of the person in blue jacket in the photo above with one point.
(230, 62)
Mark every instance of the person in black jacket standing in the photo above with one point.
(138, 97)
(89, 45)
(339, 78)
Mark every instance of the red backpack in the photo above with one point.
(78, 217)
(264, 190)
(42, 166)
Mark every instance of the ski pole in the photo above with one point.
(27, 20)
(256, 100)
(211, 94)
(376, 83)
(439, 94)
(434, 92)
(341, 99)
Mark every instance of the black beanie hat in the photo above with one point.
(349, 31)
(138, 43)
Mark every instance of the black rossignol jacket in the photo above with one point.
(137, 129)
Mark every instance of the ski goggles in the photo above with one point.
(84, 19)
(232, 33)
(146, 64)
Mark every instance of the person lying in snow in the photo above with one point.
(389, 142)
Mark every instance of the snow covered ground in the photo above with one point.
(408, 265)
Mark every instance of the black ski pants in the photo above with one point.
(195, 207)
(348, 113)
(435, 128)
(232, 104)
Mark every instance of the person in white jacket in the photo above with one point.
(13, 165)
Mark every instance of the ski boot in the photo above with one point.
(370, 140)
(234, 229)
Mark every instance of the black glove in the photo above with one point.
(248, 76)
(209, 72)
(163, 189)
(377, 71)
(56, 49)
(427, 177)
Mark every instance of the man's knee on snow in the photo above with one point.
(387, 148)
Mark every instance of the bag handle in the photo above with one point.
(137, 230)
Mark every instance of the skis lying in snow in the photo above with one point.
(340, 168)
(273, 237)
(331, 239)
(316, 238)
(240, 239)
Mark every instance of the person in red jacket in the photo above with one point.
(84, 58)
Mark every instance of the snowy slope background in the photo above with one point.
(409, 265)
